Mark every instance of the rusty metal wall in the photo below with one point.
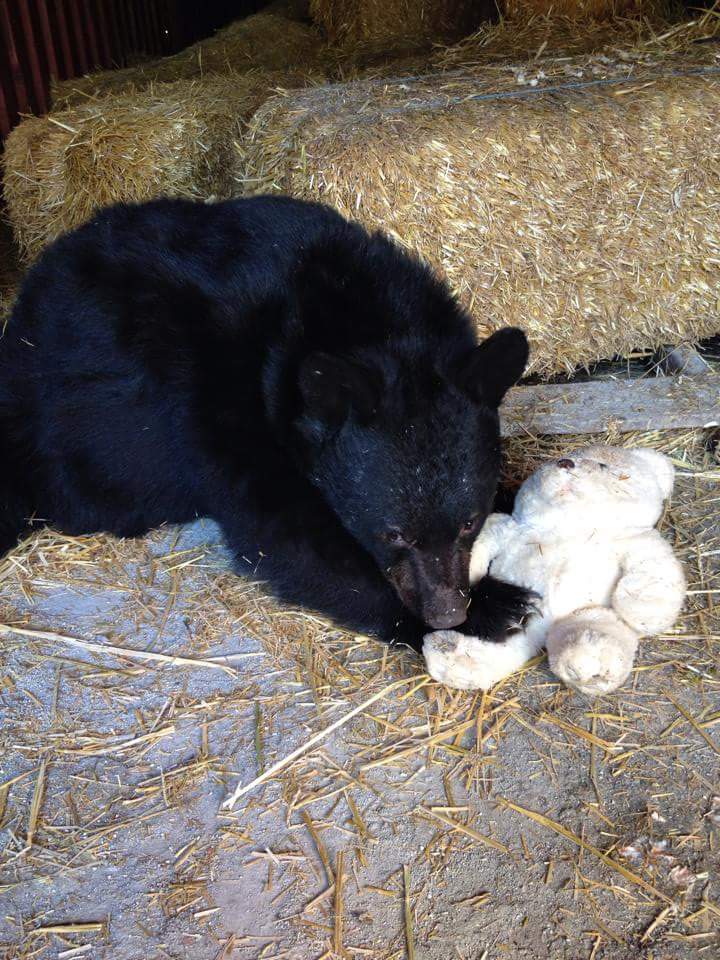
(43, 39)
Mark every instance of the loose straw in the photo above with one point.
(233, 798)
(6, 629)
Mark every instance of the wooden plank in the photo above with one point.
(657, 403)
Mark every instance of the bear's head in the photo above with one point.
(406, 451)
(598, 488)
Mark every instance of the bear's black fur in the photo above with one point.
(264, 362)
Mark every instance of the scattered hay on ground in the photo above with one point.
(585, 213)
(443, 813)
(268, 41)
(178, 139)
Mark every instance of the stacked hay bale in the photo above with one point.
(575, 197)
(166, 128)
(268, 41)
(555, 36)
(177, 139)
(521, 10)
(361, 27)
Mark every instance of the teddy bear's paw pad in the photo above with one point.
(467, 663)
(591, 672)
(447, 662)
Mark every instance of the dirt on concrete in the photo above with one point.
(526, 823)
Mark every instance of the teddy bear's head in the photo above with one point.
(598, 488)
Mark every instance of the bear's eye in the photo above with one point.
(471, 525)
(394, 536)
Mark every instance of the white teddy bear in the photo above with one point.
(582, 537)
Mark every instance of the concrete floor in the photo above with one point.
(427, 802)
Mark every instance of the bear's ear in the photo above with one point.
(334, 387)
(662, 469)
(488, 371)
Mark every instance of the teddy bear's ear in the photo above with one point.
(662, 469)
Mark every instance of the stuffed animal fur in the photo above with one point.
(582, 537)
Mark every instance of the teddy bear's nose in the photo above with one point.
(566, 464)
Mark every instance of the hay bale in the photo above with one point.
(520, 10)
(178, 139)
(269, 41)
(550, 36)
(386, 25)
(586, 214)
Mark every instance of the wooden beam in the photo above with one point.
(653, 403)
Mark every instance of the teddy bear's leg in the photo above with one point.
(592, 650)
(468, 663)
(650, 592)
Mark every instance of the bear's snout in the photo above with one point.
(444, 607)
(434, 586)
(448, 619)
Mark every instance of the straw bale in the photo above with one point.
(177, 139)
(555, 36)
(270, 41)
(585, 213)
(386, 25)
(578, 9)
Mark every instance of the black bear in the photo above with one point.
(264, 362)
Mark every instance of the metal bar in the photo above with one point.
(64, 36)
(144, 28)
(118, 35)
(48, 45)
(4, 113)
(8, 106)
(155, 32)
(22, 103)
(103, 33)
(33, 63)
(78, 36)
(171, 16)
(132, 24)
(91, 35)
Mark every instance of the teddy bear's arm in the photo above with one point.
(650, 592)
(496, 532)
